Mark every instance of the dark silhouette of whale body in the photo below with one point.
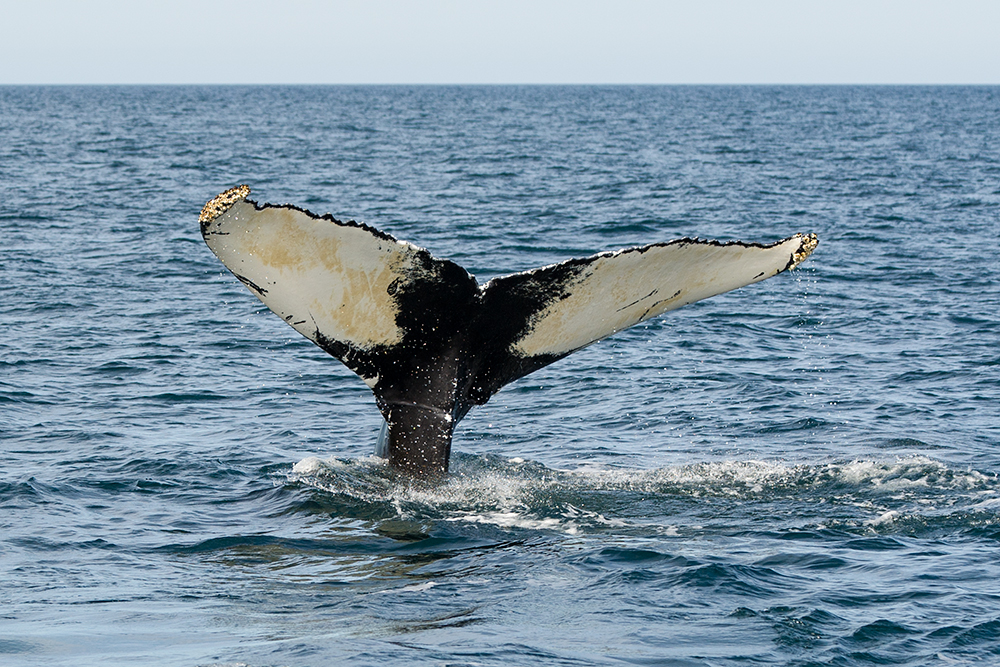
(430, 341)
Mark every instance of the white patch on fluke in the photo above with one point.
(620, 289)
(323, 278)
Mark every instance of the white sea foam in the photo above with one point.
(309, 466)
(513, 493)
(412, 588)
(883, 519)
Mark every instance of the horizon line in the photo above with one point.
(507, 84)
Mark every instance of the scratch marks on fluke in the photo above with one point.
(427, 339)
(639, 299)
(260, 291)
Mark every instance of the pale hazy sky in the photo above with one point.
(509, 41)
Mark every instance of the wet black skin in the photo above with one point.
(455, 353)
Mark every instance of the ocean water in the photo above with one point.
(800, 472)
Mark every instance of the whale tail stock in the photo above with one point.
(430, 341)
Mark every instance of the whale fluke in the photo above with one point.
(426, 337)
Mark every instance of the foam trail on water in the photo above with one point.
(513, 493)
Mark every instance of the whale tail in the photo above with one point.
(426, 337)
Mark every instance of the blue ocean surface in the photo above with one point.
(800, 472)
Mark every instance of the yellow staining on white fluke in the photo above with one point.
(223, 202)
(328, 277)
(620, 289)
(809, 243)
